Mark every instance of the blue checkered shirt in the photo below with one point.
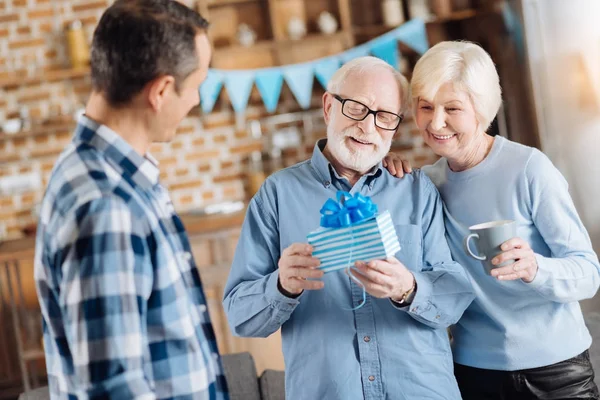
(124, 313)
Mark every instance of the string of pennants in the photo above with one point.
(300, 77)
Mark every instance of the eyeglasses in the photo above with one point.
(358, 111)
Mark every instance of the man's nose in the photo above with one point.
(367, 124)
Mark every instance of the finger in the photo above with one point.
(384, 162)
(386, 267)
(406, 166)
(509, 269)
(399, 168)
(299, 261)
(305, 273)
(392, 168)
(514, 243)
(514, 254)
(365, 279)
(370, 286)
(373, 275)
(298, 248)
(525, 263)
(513, 276)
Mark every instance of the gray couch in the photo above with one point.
(242, 379)
(244, 384)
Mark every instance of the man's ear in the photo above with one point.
(327, 106)
(158, 90)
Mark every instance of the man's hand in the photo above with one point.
(396, 166)
(296, 267)
(383, 279)
(525, 266)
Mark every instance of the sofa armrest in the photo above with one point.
(241, 376)
(272, 385)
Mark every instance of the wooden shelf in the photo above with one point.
(30, 355)
(312, 38)
(221, 3)
(455, 16)
(51, 126)
(269, 45)
(371, 30)
(195, 224)
(238, 48)
(13, 79)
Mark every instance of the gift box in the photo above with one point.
(351, 230)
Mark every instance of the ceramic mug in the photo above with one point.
(489, 236)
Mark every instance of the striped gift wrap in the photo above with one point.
(339, 248)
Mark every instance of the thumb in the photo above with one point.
(393, 260)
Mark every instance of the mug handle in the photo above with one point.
(468, 249)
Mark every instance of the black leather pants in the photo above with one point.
(570, 379)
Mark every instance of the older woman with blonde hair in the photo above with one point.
(524, 336)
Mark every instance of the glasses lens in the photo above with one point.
(354, 110)
(387, 120)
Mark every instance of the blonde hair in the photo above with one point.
(363, 64)
(468, 67)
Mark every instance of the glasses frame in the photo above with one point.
(369, 111)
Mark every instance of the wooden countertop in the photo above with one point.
(194, 224)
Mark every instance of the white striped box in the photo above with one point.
(338, 248)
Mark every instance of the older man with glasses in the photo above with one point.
(395, 345)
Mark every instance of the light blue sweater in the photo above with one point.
(514, 325)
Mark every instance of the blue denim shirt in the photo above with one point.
(378, 351)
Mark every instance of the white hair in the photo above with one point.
(468, 67)
(362, 64)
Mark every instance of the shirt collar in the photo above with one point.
(326, 172)
(142, 170)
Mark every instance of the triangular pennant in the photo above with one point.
(210, 89)
(387, 51)
(355, 52)
(239, 85)
(269, 83)
(300, 80)
(325, 69)
(414, 35)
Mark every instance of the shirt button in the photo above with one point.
(437, 317)
(367, 339)
(415, 309)
(202, 308)
(327, 184)
(371, 378)
(187, 256)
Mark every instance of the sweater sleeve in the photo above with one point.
(571, 272)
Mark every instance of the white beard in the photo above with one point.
(360, 161)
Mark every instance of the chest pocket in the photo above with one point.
(411, 246)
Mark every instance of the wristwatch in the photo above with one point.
(408, 296)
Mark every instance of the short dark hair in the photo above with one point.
(138, 40)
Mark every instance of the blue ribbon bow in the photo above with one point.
(347, 210)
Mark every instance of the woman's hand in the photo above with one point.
(396, 166)
(525, 266)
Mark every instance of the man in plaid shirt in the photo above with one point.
(124, 313)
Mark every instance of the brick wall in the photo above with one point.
(205, 164)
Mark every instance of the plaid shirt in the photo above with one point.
(124, 313)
